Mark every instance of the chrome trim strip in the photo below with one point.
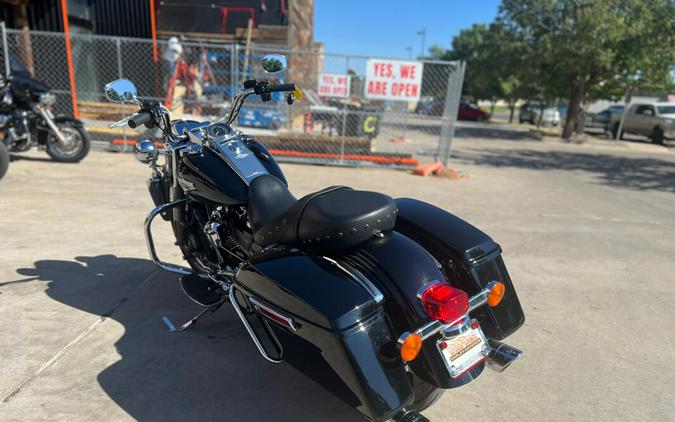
(361, 279)
(242, 317)
(260, 305)
(151, 244)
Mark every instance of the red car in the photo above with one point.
(469, 111)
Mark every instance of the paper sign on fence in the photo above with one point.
(331, 85)
(393, 80)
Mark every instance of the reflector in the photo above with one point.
(411, 347)
(496, 294)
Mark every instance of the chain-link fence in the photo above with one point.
(349, 112)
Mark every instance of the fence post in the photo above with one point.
(344, 120)
(452, 98)
(234, 50)
(69, 58)
(5, 52)
(118, 46)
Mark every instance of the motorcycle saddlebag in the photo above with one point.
(330, 325)
(469, 258)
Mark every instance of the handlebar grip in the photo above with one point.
(139, 119)
(282, 87)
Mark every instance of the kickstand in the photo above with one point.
(172, 328)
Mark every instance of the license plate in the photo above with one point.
(463, 351)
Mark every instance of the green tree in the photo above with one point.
(580, 48)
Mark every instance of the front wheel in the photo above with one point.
(77, 144)
(4, 159)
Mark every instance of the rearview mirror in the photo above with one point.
(121, 91)
(274, 63)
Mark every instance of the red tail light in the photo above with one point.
(445, 303)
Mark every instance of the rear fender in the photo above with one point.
(469, 258)
(401, 268)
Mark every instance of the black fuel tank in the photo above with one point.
(213, 179)
(216, 181)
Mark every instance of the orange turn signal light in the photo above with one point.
(411, 347)
(496, 294)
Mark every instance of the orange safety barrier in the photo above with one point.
(428, 169)
(378, 159)
(158, 144)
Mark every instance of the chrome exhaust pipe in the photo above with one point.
(501, 355)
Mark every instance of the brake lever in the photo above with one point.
(122, 122)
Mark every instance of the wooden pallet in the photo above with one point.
(105, 111)
(316, 143)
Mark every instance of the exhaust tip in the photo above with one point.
(501, 355)
(410, 416)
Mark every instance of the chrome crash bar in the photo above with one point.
(151, 244)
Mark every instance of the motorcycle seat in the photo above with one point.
(335, 218)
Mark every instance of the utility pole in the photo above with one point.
(423, 33)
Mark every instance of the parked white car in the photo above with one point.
(529, 112)
(651, 119)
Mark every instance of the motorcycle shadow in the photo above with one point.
(14, 157)
(210, 372)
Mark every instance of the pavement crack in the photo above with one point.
(16, 390)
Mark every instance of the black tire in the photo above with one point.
(657, 136)
(615, 130)
(520, 120)
(4, 159)
(425, 394)
(79, 150)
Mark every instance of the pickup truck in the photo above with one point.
(651, 119)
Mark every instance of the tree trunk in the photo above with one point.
(492, 107)
(512, 109)
(576, 96)
(541, 114)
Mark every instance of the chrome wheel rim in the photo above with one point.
(73, 140)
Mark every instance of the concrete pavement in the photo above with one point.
(588, 234)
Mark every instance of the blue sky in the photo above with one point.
(386, 27)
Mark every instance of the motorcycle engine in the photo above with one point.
(4, 118)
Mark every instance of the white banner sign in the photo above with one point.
(331, 85)
(393, 80)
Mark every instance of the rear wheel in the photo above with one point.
(4, 159)
(657, 136)
(77, 144)
(425, 394)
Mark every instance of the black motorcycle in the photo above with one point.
(26, 120)
(386, 303)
